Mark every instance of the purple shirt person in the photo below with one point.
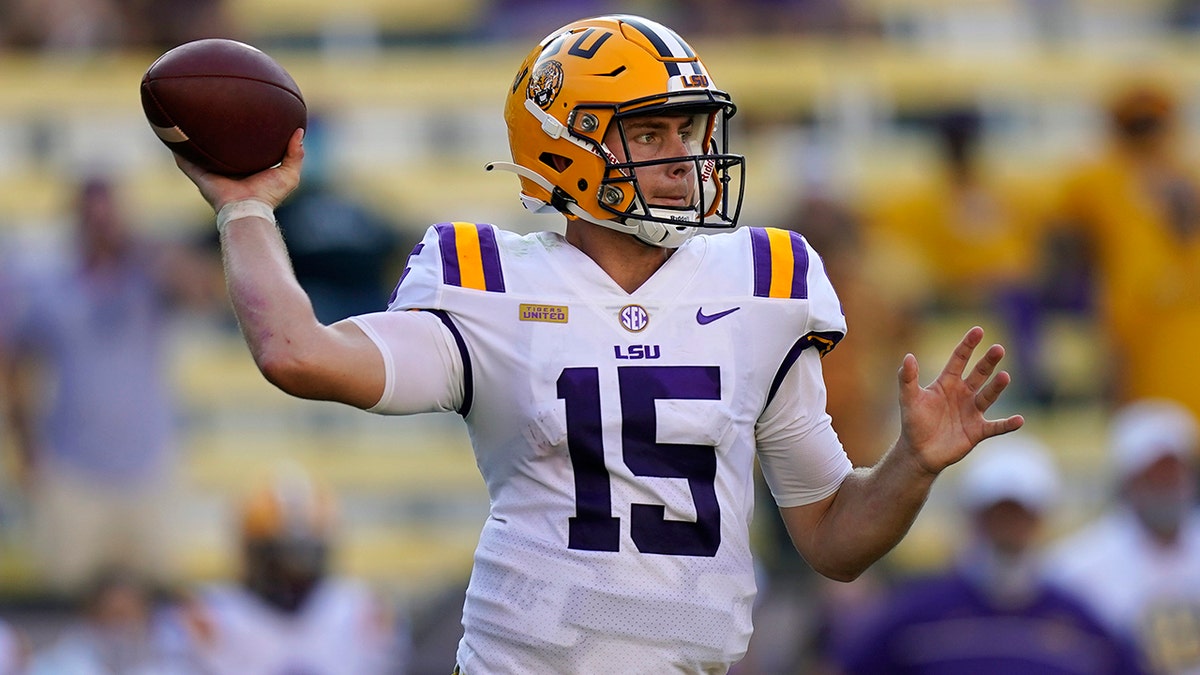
(991, 612)
(86, 393)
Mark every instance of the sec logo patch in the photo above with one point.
(634, 318)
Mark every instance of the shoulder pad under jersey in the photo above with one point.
(451, 255)
(786, 267)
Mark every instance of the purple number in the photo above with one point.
(640, 387)
(594, 528)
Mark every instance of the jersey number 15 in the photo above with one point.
(594, 528)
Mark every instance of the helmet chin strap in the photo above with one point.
(647, 231)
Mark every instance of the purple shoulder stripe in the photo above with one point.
(780, 263)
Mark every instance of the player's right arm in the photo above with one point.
(294, 351)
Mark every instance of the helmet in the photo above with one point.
(591, 74)
(291, 506)
(286, 528)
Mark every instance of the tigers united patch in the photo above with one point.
(545, 313)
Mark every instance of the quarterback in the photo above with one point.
(619, 380)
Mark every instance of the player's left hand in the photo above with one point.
(942, 422)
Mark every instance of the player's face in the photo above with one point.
(656, 138)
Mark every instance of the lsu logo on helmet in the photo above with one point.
(545, 83)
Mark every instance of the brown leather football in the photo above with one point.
(223, 104)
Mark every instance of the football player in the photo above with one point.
(289, 613)
(619, 380)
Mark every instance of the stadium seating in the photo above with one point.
(410, 131)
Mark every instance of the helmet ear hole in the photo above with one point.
(556, 162)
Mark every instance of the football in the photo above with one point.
(223, 104)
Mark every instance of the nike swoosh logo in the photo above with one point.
(702, 318)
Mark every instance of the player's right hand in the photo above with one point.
(271, 186)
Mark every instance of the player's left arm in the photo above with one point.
(845, 533)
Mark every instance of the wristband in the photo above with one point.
(243, 208)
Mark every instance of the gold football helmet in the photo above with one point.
(290, 506)
(287, 527)
(593, 73)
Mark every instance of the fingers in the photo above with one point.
(204, 180)
(188, 167)
(980, 381)
(962, 353)
(1004, 426)
(990, 393)
(908, 374)
(977, 378)
(984, 369)
(295, 151)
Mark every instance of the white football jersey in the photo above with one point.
(617, 434)
(340, 629)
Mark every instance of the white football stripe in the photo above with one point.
(170, 134)
(677, 50)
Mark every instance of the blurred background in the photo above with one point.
(956, 163)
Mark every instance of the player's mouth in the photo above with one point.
(670, 201)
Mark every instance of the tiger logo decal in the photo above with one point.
(545, 83)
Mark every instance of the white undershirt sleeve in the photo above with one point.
(422, 363)
(801, 456)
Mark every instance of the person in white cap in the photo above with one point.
(1138, 563)
(992, 611)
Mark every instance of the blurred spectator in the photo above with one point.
(874, 292)
(1135, 211)
(165, 24)
(86, 395)
(976, 233)
(78, 26)
(509, 19)
(992, 612)
(1138, 564)
(532, 19)
(289, 613)
(15, 649)
(345, 255)
(1184, 15)
(769, 17)
(120, 631)
(92, 26)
